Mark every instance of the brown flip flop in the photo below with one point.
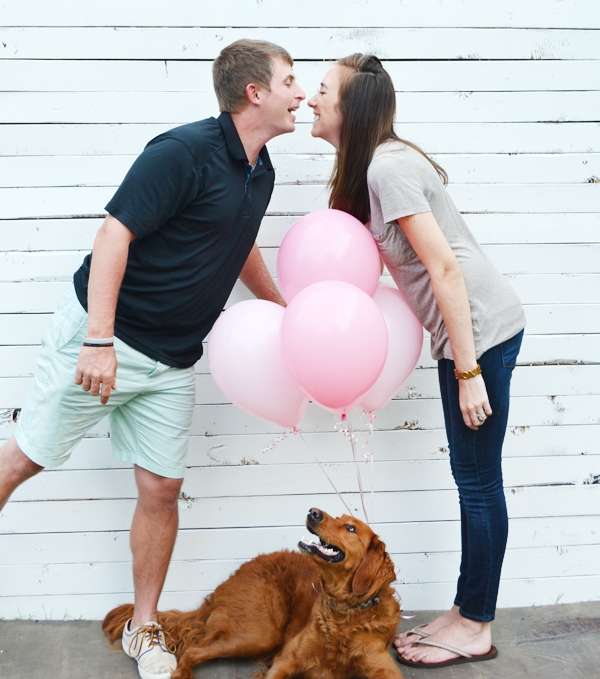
(464, 656)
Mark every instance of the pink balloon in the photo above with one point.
(327, 245)
(405, 341)
(246, 362)
(335, 342)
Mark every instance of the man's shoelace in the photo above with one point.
(151, 633)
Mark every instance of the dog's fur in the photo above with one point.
(303, 609)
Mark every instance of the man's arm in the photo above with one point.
(97, 366)
(257, 279)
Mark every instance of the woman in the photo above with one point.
(475, 319)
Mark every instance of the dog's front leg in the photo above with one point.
(379, 664)
(288, 662)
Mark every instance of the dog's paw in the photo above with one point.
(182, 672)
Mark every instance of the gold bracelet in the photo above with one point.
(468, 373)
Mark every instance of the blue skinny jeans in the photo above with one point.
(476, 463)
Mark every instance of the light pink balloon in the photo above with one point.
(327, 245)
(335, 342)
(405, 341)
(246, 362)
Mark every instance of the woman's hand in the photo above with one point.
(473, 400)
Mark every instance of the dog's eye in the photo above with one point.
(350, 528)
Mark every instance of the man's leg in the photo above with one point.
(153, 534)
(15, 468)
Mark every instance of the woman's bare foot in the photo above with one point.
(467, 635)
(405, 639)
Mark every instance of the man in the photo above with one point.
(180, 230)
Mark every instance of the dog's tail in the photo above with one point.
(114, 622)
(184, 629)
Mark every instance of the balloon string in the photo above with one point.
(368, 454)
(348, 432)
(328, 477)
(278, 440)
(358, 474)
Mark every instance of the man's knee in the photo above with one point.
(155, 490)
(15, 468)
(15, 462)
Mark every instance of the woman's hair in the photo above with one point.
(367, 103)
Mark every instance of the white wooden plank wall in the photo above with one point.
(504, 94)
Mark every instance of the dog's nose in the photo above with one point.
(315, 515)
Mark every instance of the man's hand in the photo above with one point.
(97, 371)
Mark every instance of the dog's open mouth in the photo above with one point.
(323, 549)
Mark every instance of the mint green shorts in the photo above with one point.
(150, 412)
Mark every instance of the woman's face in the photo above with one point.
(328, 119)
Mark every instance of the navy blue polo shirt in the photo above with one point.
(195, 206)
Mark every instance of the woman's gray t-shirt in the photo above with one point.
(403, 182)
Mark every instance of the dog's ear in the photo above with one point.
(376, 570)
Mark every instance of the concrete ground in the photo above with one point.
(549, 642)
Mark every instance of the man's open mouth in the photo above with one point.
(323, 549)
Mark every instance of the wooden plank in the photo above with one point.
(557, 288)
(41, 266)
(239, 543)
(529, 259)
(64, 170)
(303, 42)
(102, 139)
(511, 259)
(35, 297)
(527, 381)
(220, 419)
(89, 201)
(547, 168)
(547, 319)
(21, 75)
(513, 593)
(49, 234)
(227, 450)
(242, 481)
(37, 171)
(425, 414)
(112, 578)
(330, 447)
(289, 510)
(559, 348)
(514, 259)
(181, 107)
(415, 597)
(489, 229)
(537, 349)
(44, 297)
(535, 228)
(579, 14)
(521, 564)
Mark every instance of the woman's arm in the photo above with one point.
(432, 248)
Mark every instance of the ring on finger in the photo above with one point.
(480, 417)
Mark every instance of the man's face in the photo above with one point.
(280, 104)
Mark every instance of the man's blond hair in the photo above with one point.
(241, 63)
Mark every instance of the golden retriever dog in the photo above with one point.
(325, 613)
